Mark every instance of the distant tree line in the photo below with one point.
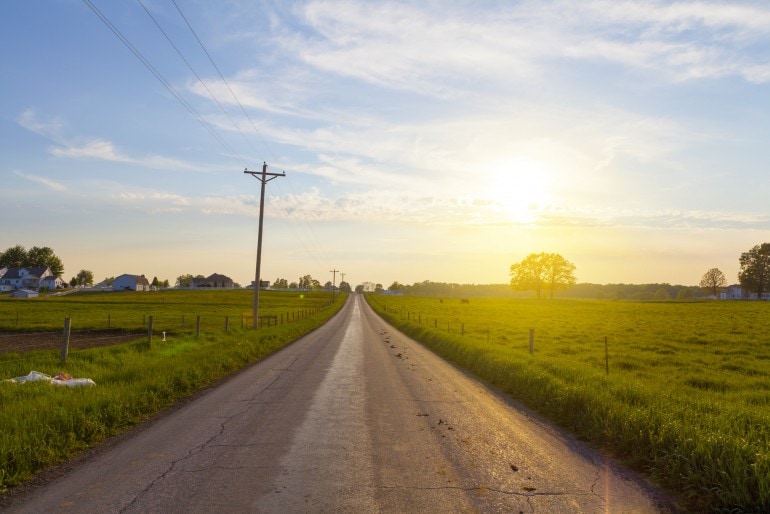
(550, 274)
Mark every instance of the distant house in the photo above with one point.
(50, 282)
(733, 292)
(214, 280)
(131, 283)
(4, 287)
(24, 278)
(736, 292)
(24, 293)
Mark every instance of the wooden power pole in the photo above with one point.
(264, 177)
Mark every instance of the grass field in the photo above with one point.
(171, 309)
(681, 391)
(41, 424)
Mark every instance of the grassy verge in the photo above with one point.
(41, 425)
(685, 400)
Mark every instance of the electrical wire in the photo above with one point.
(294, 195)
(202, 82)
(308, 234)
(190, 109)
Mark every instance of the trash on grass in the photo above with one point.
(61, 379)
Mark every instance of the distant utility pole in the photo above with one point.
(334, 281)
(264, 177)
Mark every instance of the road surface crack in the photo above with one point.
(205, 444)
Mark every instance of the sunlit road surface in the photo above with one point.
(355, 417)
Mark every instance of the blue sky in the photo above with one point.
(420, 140)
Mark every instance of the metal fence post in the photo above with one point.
(198, 327)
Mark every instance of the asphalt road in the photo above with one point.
(354, 417)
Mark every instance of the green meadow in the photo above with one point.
(677, 390)
(41, 424)
(171, 309)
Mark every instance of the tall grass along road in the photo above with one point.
(353, 417)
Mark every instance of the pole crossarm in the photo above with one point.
(264, 177)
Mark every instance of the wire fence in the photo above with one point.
(21, 335)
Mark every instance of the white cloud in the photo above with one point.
(445, 50)
(51, 128)
(106, 151)
(50, 184)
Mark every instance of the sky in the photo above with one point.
(432, 140)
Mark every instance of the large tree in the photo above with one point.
(184, 280)
(85, 277)
(44, 257)
(539, 271)
(306, 282)
(14, 257)
(36, 257)
(754, 274)
(713, 281)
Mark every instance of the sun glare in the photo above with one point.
(518, 188)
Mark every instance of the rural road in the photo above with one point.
(354, 417)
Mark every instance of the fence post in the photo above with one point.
(531, 340)
(227, 324)
(149, 333)
(65, 341)
(197, 327)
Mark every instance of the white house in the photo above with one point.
(734, 292)
(131, 283)
(50, 282)
(3, 287)
(24, 278)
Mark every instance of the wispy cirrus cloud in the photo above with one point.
(106, 151)
(48, 183)
(98, 149)
(453, 50)
(51, 128)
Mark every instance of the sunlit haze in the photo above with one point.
(437, 141)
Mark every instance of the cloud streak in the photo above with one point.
(48, 183)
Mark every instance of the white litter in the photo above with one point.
(62, 379)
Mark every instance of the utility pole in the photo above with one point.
(264, 177)
(342, 278)
(334, 281)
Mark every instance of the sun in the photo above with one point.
(517, 188)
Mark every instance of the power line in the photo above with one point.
(309, 233)
(190, 109)
(192, 70)
(256, 131)
(211, 60)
